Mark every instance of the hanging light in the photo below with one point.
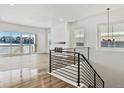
(108, 24)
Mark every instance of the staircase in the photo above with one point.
(74, 68)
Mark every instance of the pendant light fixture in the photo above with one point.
(108, 24)
(110, 38)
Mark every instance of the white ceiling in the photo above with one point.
(45, 15)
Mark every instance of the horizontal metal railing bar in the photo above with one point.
(98, 84)
(60, 64)
(88, 79)
(60, 55)
(97, 77)
(66, 74)
(66, 77)
(70, 57)
(91, 67)
(55, 68)
(98, 81)
(89, 70)
(87, 66)
(84, 80)
(76, 48)
(86, 71)
(99, 87)
(64, 63)
(62, 58)
(84, 65)
(88, 76)
(67, 52)
(83, 70)
(65, 68)
(85, 83)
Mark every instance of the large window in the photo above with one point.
(112, 39)
(17, 43)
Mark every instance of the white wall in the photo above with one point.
(40, 33)
(109, 63)
(60, 33)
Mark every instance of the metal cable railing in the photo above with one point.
(74, 66)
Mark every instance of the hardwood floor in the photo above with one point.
(32, 77)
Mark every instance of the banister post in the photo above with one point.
(94, 80)
(74, 56)
(50, 62)
(78, 69)
(103, 84)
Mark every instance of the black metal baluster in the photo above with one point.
(74, 56)
(103, 84)
(94, 79)
(78, 69)
(50, 62)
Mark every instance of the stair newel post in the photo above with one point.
(50, 62)
(78, 69)
(103, 84)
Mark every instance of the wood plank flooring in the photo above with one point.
(41, 79)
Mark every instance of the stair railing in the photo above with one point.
(69, 60)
